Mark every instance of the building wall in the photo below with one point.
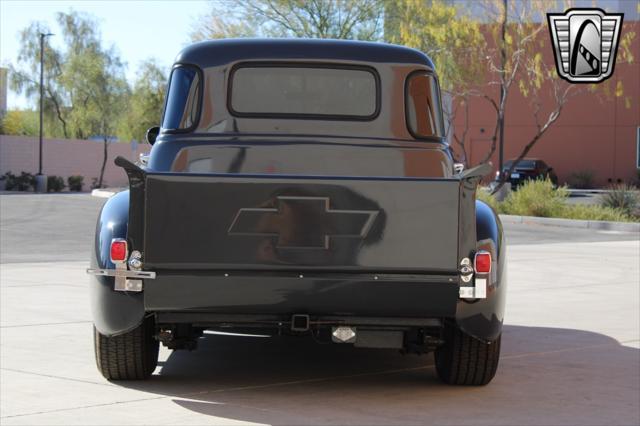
(595, 132)
(66, 157)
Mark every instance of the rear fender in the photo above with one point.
(114, 312)
(483, 318)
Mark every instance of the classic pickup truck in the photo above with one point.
(300, 187)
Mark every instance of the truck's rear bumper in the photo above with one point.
(240, 322)
(351, 294)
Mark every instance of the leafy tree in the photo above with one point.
(340, 19)
(146, 101)
(26, 78)
(20, 123)
(93, 77)
(100, 87)
(453, 42)
(514, 29)
(85, 84)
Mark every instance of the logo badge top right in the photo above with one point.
(585, 43)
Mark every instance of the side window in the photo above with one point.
(423, 105)
(183, 99)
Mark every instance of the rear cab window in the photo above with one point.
(304, 91)
(182, 107)
(423, 106)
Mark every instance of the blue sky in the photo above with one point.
(138, 28)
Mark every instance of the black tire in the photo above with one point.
(465, 360)
(128, 356)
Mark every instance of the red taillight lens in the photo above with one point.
(118, 250)
(482, 262)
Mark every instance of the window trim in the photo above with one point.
(430, 73)
(196, 122)
(295, 116)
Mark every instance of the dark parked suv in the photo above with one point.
(527, 169)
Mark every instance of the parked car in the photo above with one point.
(300, 187)
(527, 169)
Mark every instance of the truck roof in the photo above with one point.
(219, 52)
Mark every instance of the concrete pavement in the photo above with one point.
(571, 345)
(47, 227)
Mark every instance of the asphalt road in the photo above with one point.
(571, 345)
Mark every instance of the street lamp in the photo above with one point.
(41, 180)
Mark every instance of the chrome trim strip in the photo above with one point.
(122, 273)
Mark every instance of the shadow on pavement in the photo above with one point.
(546, 376)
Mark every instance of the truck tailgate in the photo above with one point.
(263, 222)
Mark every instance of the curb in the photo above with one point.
(101, 193)
(573, 223)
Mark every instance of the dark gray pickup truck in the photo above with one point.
(300, 187)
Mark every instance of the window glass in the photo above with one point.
(525, 164)
(291, 90)
(424, 108)
(183, 98)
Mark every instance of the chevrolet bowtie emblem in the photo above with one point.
(303, 222)
(585, 42)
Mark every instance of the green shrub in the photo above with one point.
(75, 183)
(483, 194)
(624, 197)
(594, 212)
(55, 184)
(24, 182)
(535, 198)
(539, 198)
(581, 179)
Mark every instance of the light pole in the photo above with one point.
(503, 93)
(41, 180)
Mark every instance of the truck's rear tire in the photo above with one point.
(465, 360)
(129, 356)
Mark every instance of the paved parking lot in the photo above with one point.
(571, 345)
